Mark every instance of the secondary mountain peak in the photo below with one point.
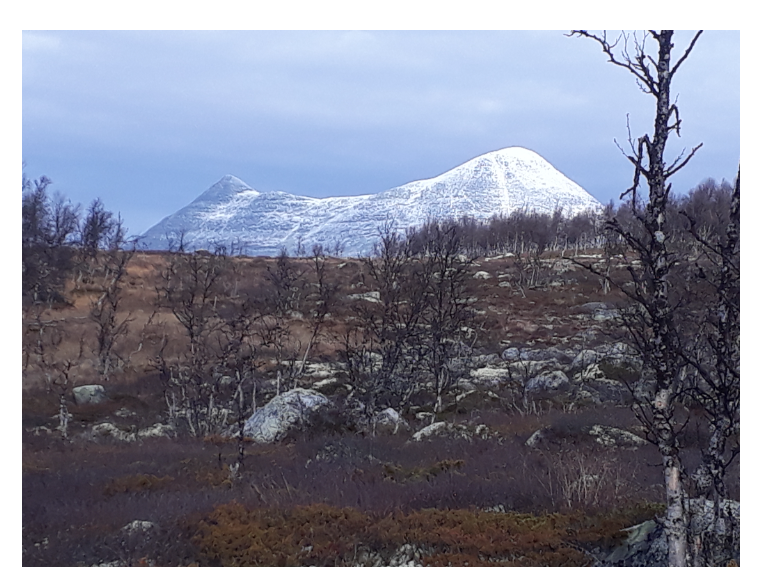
(227, 187)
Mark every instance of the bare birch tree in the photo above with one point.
(713, 356)
(192, 288)
(654, 73)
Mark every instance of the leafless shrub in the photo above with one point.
(110, 326)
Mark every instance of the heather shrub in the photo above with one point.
(318, 534)
(233, 536)
(136, 483)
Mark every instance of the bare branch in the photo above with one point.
(686, 53)
(639, 70)
(676, 169)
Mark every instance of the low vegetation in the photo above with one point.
(188, 345)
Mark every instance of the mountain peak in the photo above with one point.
(231, 179)
(227, 187)
(515, 151)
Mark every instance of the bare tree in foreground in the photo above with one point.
(656, 324)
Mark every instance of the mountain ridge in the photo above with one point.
(233, 214)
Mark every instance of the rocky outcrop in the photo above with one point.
(327, 386)
(614, 437)
(647, 545)
(604, 435)
(157, 430)
(489, 376)
(453, 431)
(287, 412)
(109, 430)
(547, 385)
(90, 394)
(407, 555)
(139, 526)
(389, 421)
(603, 390)
(537, 355)
(586, 359)
(559, 373)
(371, 296)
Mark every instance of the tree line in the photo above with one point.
(57, 237)
(531, 233)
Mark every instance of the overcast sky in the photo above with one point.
(148, 120)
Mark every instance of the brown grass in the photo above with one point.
(318, 498)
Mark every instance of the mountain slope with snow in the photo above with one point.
(233, 214)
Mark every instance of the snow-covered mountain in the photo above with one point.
(496, 183)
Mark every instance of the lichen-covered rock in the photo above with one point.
(537, 437)
(601, 315)
(528, 369)
(157, 430)
(123, 563)
(326, 386)
(405, 556)
(90, 394)
(110, 430)
(283, 414)
(452, 430)
(320, 370)
(614, 437)
(371, 296)
(610, 391)
(489, 376)
(340, 450)
(589, 373)
(389, 421)
(482, 360)
(139, 526)
(591, 306)
(432, 430)
(610, 437)
(514, 354)
(553, 382)
(585, 359)
(620, 354)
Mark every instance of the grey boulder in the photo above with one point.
(390, 421)
(547, 384)
(287, 412)
(91, 394)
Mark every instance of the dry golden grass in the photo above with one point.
(381, 491)
(504, 314)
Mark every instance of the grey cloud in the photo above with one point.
(343, 112)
